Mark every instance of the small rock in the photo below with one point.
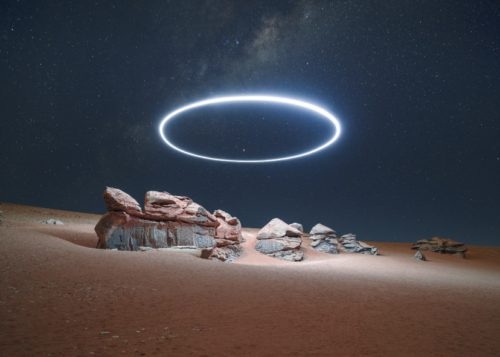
(53, 221)
(420, 256)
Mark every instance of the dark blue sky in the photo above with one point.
(416, 85)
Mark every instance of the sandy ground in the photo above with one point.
(61, 297)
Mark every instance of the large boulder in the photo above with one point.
(280, 240)
(168, 221)
(119, 201)
(277, 228)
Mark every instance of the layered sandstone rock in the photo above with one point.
(281, 240)
(168, 221)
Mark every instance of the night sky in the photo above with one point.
(415, 84)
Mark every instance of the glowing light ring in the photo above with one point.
(252, 98)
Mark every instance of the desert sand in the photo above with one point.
(59, 296)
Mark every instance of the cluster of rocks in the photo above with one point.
(53, 221)
(167, 221)
(281, 240)
(325, 239)
(439, 245)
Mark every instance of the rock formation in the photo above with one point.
(168, 221)
(441, 245)
(281, 240)
(325, 239)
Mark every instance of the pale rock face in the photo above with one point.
(119, 230)
(117, 200)
(276, 228)
(268, 246)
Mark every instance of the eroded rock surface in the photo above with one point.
(168, 221)
(280, 240)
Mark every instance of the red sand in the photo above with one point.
(61, 297)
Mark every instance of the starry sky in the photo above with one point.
(416, 85)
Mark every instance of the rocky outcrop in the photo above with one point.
(441, 245)
(325, 239)
(280, 240)
(168, 221)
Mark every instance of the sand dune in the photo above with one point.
(60, 296)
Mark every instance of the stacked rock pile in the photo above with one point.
(325, 239)
(441, 245)
(280, 240)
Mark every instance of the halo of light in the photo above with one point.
(253, 98)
